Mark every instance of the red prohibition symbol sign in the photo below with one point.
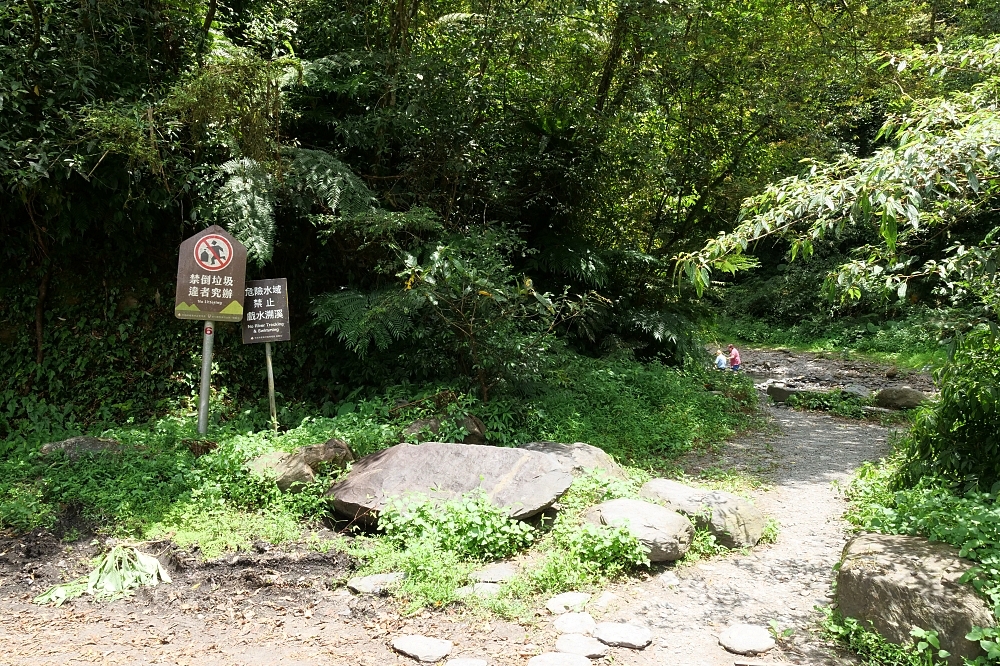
(213, 252)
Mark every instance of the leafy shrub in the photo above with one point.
(472, 527)
(873, 650)
(957, 436)
(840, 403)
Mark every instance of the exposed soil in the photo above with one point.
(289, 605)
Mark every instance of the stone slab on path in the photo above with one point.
(620, 634)
(575, 623)
(422, 648)
(746, 639)
(558, 659)
(376, 584)
(500, 572)
(895, 582)
(566, 602)
(524, 482)
(585, 646)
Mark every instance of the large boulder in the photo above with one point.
(579, 458)
(893, 583)
(899, 398)
(75, 447)
(474, 427)
(524, 482)
(667, 534)
(780, 392)
(735, 522)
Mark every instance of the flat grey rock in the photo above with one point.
(558, 659)
(478, 590)
(780, 392)
(422, 648)
(495, 573)
(735, 522)
(376, 584)
(585, 646)
(603, 601)
(75, 447)
(749, 639)
(574, 623)
(579, 458)
(524, 482)
(667, 534)
(619, 634)
(566, 602)
(465, 661)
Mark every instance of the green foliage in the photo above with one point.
(956, 437)
(840, 403)
(873, 650)
(471, 527)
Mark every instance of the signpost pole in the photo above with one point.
(206, 376)
(270, 386)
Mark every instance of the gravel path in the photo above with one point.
(210, 617)
(688, 607)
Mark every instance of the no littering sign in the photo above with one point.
(211, 277)
(213, 252)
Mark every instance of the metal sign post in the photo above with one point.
(206, 377)
(266, 321)
(211, 274)
(270, 386)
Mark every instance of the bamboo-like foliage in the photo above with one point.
(943, 167)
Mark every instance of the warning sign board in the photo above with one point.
(211, 277)
(266, 317)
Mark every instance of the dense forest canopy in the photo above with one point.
(450, 187)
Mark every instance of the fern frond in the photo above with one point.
(318, 176)
(244, 203)
(359, 319)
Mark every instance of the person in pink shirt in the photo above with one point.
(734, 358)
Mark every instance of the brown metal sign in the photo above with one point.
(211, 276)
(266, 317)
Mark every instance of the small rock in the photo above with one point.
(558, 659)
(669, 579)
(478, 590)
(749, 639)
(575, 623)
(735, 522)
(780, 393)
(376, 584)
(603, 601)
(618, 634)
(584, 646)
(862, 392)
(422, 648)
(418, 430)
(465, 661)
(566, 602)
(495, 573)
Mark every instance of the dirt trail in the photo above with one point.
(268, 608)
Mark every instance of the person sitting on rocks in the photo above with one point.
(734, 358)
(720, 360)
